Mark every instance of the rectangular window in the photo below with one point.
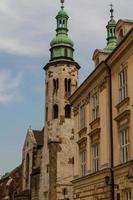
(124, 145)
(95, 107)
(82, 117)
(95, 154)
(83, 162)
(123, 84)
(127, 195)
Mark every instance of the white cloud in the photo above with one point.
(9, 87)
(28, 26)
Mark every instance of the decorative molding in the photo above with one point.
(102, 84)
(125, 102)
(76, 110)
(82, 140)
(86, 100)
(122, 115)
(83, 130)
(96, 121)
(95, 131)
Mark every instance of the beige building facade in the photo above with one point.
(85, 151)
(103, 135)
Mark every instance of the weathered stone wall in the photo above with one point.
(58, 130)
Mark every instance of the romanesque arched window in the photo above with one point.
(55, 85)
(67, 86)
(68, 111)
(55, 111)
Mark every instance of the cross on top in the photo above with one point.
(111, 10)
(62, 2)
(111, 5)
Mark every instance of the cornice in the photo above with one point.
(61, 61)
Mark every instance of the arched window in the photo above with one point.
(63, 23)
(60, 23)
(27, 168)
(55, 85)
(55, 111)
(67, 86)
(68, 111)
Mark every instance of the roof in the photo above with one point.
(127, 20)
(9, 174)
(75, 94)
(39, 136)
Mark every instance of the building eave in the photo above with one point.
(61, 61)
(101, 67)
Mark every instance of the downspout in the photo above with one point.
(111, 134)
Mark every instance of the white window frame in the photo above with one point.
(127, 195)
(95, 106)
(95, 157)
(83, 161)
(124, 144)
(123, 84)
(82, 117)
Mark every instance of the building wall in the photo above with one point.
(122, 118)
(85, 185)
(91, 184)
(58, 130)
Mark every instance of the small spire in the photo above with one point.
(112, 11)
(62, 2)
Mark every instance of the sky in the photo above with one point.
(26, 29)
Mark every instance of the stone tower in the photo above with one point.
(61, 81)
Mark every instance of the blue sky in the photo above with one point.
(27, 28)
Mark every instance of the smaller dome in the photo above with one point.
(112, 22)
(62, 39)
(62, 13)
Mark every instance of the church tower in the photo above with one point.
(111, 32)
(61, 74)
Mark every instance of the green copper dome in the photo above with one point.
(62, 39)
(62, 45)
(111, 35)
(62, 13)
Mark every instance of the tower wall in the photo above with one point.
(57, 167)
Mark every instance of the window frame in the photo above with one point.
(123, 90)
(95, 106)
(55, 111)
(95, 156)
(82, 116)
(124, 145)
(83, 158)
(127, 195)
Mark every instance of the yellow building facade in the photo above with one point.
(103, 122)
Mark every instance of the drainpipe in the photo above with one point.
(111, 134)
